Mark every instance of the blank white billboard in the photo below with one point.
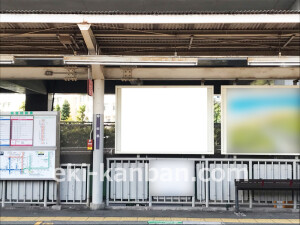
(261, 120)
(171, 177)
(164, 120)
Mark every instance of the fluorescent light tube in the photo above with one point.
(6, 59)
(130, 60)
(283, 61)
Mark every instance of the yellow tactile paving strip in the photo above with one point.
(136, 219)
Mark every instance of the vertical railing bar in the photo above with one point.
(228, 183)
(243, 192)
(18, 191)
(207, 184)
(24, 191)
(67, 183)
(3, 192)
(250, 175)
(272, 176)
(31, 188)
(234, 163)
(137, 182)
(54, 187)
(143, 183)
(45, 193)
(222, 182)
(287, 177)
(11, 191)
(266, 177)
(295, 193)
(259, 193)
(107, 182)
(88, 185)
(122, 181)
(113, 180)
(81, 183)
(74, 195)
(129, 180)
(39, 193)
(215, 164)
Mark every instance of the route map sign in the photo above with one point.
(27, 164)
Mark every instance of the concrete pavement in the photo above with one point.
(82, 215)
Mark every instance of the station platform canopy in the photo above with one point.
(148, 40)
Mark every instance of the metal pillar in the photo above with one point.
(98, 111)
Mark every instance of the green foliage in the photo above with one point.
(65, 113)
(57, 108)
(217, 112)
(74, 134)
(109, 137)
(262, 82)
(81, 114)
(22, 106)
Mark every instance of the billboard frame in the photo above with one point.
(210, 119)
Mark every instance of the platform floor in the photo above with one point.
(82, 215)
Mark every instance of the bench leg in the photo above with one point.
(237, 200)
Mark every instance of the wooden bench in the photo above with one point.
(264, 184)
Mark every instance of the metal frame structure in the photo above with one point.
(44, 192)
(249, 198)
(55, 149)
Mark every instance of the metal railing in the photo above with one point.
(209, 192)
(72, 190)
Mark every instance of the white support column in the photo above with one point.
(98, 166)
(50, 101)
(98, 116)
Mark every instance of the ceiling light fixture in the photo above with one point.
(281, 61)
(7, 59)
(131, 60)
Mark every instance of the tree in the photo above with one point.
(81, 114)
(57, 108)
(217, 112)
(22, 107)
(65, 112)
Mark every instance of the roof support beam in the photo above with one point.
(191, 42)
(23, 86)
(93, 48)
(288, 41)
(42, 73)
(149, 19)
(296, 5)
(207, 73)
(166, 73)
(89, 39)
(166, 33)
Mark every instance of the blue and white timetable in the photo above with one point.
(5, 130)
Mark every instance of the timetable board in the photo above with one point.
(29, 145)
(23, 130)
(5, 130)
